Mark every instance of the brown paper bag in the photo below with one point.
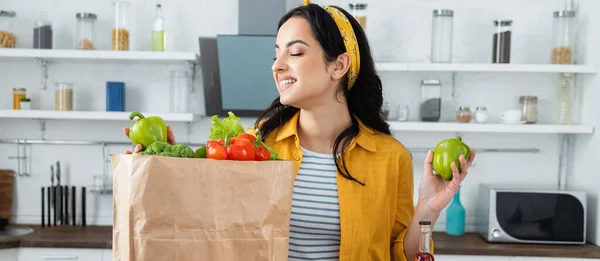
(168, 208)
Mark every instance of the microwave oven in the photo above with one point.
(518, 214)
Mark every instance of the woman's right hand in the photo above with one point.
(138, 147)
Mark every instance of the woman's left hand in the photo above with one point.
(436, 192)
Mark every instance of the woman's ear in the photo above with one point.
(340, 66)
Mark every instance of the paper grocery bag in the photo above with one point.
(168, 208)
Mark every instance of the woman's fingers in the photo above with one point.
(170, 136)
(428, 163)
(138, 148)
(126, 131)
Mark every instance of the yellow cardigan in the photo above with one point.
(373, 218)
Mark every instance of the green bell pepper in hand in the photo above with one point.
(146, 131)
(446, 152)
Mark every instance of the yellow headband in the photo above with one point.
(350, 41)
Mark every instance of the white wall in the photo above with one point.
(405, 38)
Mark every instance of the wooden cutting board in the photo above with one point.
(7, 180)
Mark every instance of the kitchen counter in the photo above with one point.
(469, 244)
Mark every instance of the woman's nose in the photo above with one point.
(279, 64)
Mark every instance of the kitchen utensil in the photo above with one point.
(83, 206)
(66, 205)
(59, 191)
(73, 206)
(43, 208)
(49, 201)
(6, 195)
(52, 204)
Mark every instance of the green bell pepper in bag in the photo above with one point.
(446, 152)
(147, 130)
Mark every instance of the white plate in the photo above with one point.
(512, 122)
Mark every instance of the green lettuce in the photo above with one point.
(220, 128)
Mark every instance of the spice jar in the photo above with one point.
(85, 31)
(481, 114)
(120, 31)
(529, 108)
(18, 94)
(563, 44)
(502, 41)
(463, 115)
(441, 36)
(431, 100)
(359, 12)
(63, 97)
(42, 32)
(7, 38)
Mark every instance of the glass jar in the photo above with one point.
(502, 41)
(441, 36)
(565, 98)
(7, 37)
(481, 114)
(63, 96)
(403, 112)
(463, 115)
(563, 40)
(181, 87)
(529, 109)
(359, 12)
(385, 111)
(18, 94)
(431, 100)
(85, 31)
(120, 31)
(42, 32)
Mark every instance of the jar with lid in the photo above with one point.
(181, 86)
(18, 94)
(502, 41)
(63, 96)
(42, 32)
(529, 108)
(565, 98)
(359, 12)
(120, 31)
(85, 31)
(463, 115)
(8, 39)
(563, 37)
(481, 114)
(441, 36)
(431, 100)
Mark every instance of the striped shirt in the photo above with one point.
(315, 222)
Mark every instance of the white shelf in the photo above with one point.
(96, 55)
(485, 67)
(91, 115)
(490, 127)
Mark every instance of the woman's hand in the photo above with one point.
(138, 147)
(435, 192)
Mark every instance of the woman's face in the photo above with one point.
(303, 78)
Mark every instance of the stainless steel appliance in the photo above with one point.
(521, 214)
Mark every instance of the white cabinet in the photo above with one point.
(59, 254)
(107, 255)
(10, 254)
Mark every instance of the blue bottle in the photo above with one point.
(455, 217)
(115, 96)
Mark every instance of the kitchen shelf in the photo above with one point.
(490, 127)
(485, 67)
(97, 55)
(91, 115)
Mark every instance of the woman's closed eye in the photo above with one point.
(296, 54)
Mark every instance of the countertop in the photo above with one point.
(469, 244)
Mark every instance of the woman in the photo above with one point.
(360, 205)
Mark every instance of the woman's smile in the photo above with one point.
(285, 82)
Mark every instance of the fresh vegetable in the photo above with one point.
(446, 152)
(146, 131)
(229, 125)
(161, 148)
(215, 150)
(200, 152)
(241, 149)
(260, 151)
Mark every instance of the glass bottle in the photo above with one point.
(455, 216)
(529, 108)
(120, 31)
(359, 12)
(424, 253)
(158, 31)
(85, 29)
(8, 39)
(565, 98)
(564, 34)
(502, 41)
(441, 36)
(431, 100)
(42, 32)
